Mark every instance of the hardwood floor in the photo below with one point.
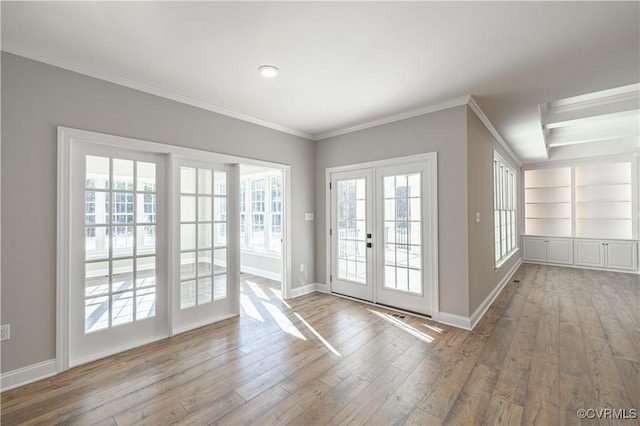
(559, 340)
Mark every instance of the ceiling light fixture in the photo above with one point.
(268, 71)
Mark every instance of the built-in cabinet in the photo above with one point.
(592, 253)
(548, 250)
(607, 254)
(583, 214)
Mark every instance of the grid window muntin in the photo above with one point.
(114, 275)
(208, 239)
(261, 213)
(402, 233)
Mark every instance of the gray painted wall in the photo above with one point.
(482, 276)
(36, 98)
(444, 132)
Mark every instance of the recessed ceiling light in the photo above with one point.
(268, 71)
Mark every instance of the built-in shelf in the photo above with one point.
(603, 200)
(548, 201)
(589, 201)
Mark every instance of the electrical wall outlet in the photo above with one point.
(5, 332)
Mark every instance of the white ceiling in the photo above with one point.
(344, 65)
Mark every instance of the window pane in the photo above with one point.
(146, 243)
(187, 265)
(219, 287)
(146, 303)
(145, 271)
(220, 236)
(96, 313)
(123, 174)
(97, 172)
(187, 180)
(122, 207)
(187, 237)
(122, 241)
(122, 275)
(204, 181)
(220, 182)
(187, 208)
(220, 209)
(146, 176)
(146, 208)
(96, 278)
(96, 207)
(204, 209)
(187, 294)
(220, 261)
(122, 308)
(96, 243)
(204, 235)
(204, 263)
(205, 290)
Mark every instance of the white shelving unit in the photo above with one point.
(548, 202)
(604, 201)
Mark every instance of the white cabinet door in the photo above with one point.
(535, 249)
(560, 251)
(621, 255)
(589, 253)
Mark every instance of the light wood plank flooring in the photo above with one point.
(559, 340)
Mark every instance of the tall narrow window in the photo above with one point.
(504, 208)
(261, 213)
(275, 228)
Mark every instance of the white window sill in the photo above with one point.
(269, 254)
(506, 258)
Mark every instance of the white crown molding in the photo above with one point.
(56, 61)
(463, 100)
(618, 95)
(482, 116)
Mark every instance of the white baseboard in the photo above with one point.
(322, 288)
(261, 273)
(455, 320)
(28, 374)
(301, 291)
(486, 303)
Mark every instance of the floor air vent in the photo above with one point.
(397, 315)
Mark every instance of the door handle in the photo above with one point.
(369, 245)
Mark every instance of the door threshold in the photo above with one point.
(380, 305)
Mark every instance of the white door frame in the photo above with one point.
(67, 138)
(432, 244)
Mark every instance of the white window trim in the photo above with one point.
(513, 250)
(69, 137)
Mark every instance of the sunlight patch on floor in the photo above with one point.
(249, 308)
(318, 335)
(404, 326)
(257, 290)
(283, 322)
(278, 294)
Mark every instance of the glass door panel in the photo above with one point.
(116, 298)
(351, 234)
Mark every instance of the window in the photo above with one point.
(504, 209)
(261, 212)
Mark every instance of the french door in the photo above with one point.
(117, 297)
(202, 291)
(351, 231)
(384, 234)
